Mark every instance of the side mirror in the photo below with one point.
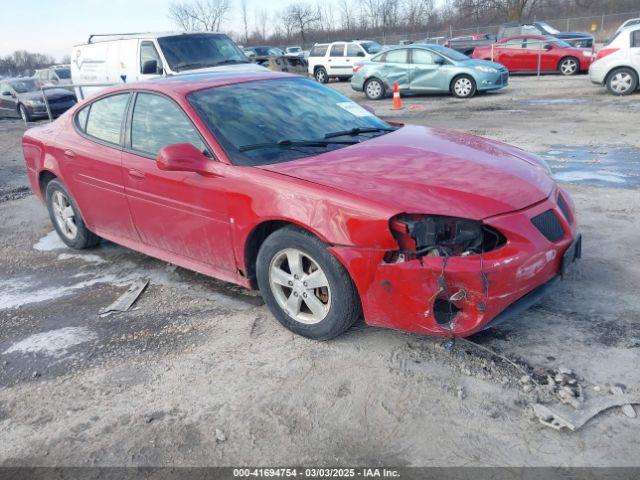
(182, 157)
(438, 61)
(548, 47)
(360, 54)
(150, 67)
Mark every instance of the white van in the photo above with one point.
(110, 59)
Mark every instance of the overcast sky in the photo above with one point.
(54, 26)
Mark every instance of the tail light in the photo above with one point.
(357, 67)
(606, 51)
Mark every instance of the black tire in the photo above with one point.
(83, 238)
(375, 89)
(344, 79)
(463, 86)
(24, 113)
(344, 308)
(626, 73)
(320, 74)
(563, 66)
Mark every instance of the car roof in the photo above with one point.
(111, 37)
(537, 37)
(191, 82)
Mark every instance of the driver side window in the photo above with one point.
(148, 52)
(423, 57)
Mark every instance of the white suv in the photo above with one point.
(617, 64)
(337, 59)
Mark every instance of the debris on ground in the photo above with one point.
(220, 436)
(127, 299)
(562, 417)
(626, 409)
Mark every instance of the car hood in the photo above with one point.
(573, 35)
(485, 63)
(421, 170)
(237, 68)
(52, 94)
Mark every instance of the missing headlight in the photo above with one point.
(420, 235)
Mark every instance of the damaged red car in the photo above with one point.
(276, 182)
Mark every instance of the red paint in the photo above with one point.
(202, 218)
(526, 59)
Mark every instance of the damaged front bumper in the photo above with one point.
(461, 295)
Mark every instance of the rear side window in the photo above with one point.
(337, 50)
(105, 117)
(635, 39)
(157, 122)
(318, 51)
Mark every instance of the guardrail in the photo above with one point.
(77, 87)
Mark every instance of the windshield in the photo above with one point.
(558, 42)
(549, 28)
(188, 52)
(24, 86)
(63, 73)
(371, 47)
(270, 111)
(449, 53)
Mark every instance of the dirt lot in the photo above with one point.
(199, 373)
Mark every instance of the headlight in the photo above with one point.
(484, 69)
(419, 235)
(35, 102)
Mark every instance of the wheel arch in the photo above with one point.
(44, 177)
(618, 67)
(566, 57)
(462, 74)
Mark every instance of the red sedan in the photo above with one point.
(273, 181)
(527, 53)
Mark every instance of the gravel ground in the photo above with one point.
(199, 373)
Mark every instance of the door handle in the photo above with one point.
(69, 153)
(136, 173)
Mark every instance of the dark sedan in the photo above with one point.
(22, 97)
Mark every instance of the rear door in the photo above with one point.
(337, 62)
(91, 164)
(183, 213)
(426, 75)
(396, 68)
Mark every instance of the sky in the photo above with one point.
(54, 26)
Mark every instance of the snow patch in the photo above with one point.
(54, 343)
(51, 241)
(87, 258)
(580, 176)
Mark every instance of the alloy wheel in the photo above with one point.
(320, 76)
(299, 286)
(621, 82)
(568, 67)
(374, 89)
(23, 113)
(64, 215)
(463, 87)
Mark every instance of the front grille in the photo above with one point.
(549, 226)
(565, 208)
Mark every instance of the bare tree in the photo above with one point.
(303, 17)
(245, 20)
(22, 62)
(205, 15)
(417, 12)
(347, 15)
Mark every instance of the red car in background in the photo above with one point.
(275, 181)
(527, 53)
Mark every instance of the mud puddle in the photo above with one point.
(613, 166)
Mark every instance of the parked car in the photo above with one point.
(334, 216)
(525, 53)
(629, 23)
(575, 39)
(338, 58)
(109, 59)
(22, 97)
(54, 75)
(617, 64)
(468, 44)
(261, 54)
(427, 69)
(294, 52)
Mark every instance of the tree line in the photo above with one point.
(22, 63)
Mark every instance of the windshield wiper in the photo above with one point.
(358, 131)
(227, 62)
(189, 66)
(296, 143)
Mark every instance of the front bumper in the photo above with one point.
(405, 295)
(493, 81)
(597, 73)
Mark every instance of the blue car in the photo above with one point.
(426, 68)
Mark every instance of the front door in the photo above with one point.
(337, 62)
(509, 54)
(184, 213)
(426, 74)
(91, 165)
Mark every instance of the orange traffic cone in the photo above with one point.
(397, 101)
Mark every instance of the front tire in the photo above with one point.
(321, 75)
(463, 86)
(569, 66)
(66, 218)
(24, 113)
(374, 89)
(622, 81)
(306, 288)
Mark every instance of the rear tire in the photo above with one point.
(374, 89)
(569, 66)
(463, 86)
(321, 75)
(622, 81)
(66, 218)
(332, 308)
